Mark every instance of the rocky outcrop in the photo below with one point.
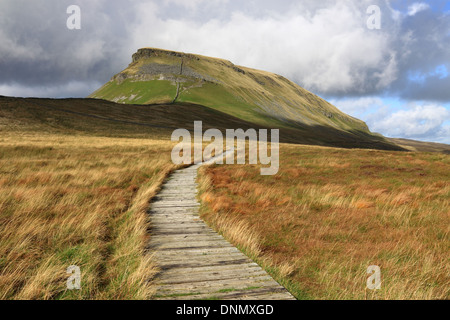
(153, 69)
(152, 52)
(157, 71)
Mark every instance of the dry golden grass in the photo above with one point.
(235, 230)
(331, 213)
(77, 200)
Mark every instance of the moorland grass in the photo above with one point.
(331, 213)
(77, 200)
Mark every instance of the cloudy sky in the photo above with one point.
(396, 78)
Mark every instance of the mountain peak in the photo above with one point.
(165, 76)
(146, 53)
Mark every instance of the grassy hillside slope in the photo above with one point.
(421, 146)
(105, 118)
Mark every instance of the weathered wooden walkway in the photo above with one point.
(195, 261)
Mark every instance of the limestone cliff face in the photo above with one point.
(151, 64)
(152, 52)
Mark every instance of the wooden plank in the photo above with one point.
(254, 294)
(157, 247)
(198, 252)
(180, 231)
(244, 267)
(154, 212)
(200, 260)
(178, 204)
(177, 225)
(189, 243)
(175, 215)
(187, 237)
(172, 265)
(217, 286)
(218, 280)
(174, 227)
(202, 276)
(172, 221)
(163, 218)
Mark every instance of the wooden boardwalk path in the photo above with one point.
(195, 261)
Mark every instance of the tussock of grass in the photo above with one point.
(330, 213)
(236, 231)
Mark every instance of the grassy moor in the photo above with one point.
(331, 213)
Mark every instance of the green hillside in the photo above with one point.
(160, 76)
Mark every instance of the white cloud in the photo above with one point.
(397, 119)
(420, 122)
(359, 106)
(417, 7)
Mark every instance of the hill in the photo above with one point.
(105, 118)
(421, 146)
(158, 76)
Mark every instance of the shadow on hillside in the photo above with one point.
(104, 118)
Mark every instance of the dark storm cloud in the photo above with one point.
(423, 45)
(37, 49)
(433, 89)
